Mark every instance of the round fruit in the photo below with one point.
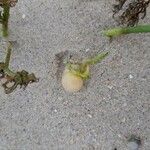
(71, 82)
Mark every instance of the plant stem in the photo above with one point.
(5, 19)
(7, 61)
(127, 30)
(98, 58)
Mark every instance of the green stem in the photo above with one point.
(5, 19)
(82, 69)
(7, 61)
(98, 58)
(127, 30)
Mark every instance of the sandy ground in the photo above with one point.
(114, 103)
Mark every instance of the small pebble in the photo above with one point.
(60, 98)
(87, 50)
(133, 143)
(119, 135)
(55, 110)
(124, 120)
(110, 86)
(132, 146)
(23, 16)
(89, 115)
(131, 76)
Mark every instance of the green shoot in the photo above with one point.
(5, 19)
(82, 69)
(127, 30)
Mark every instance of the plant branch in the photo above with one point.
(22, 78)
